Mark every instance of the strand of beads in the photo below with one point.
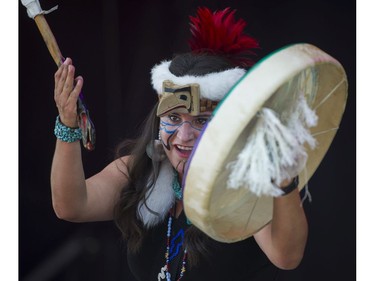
(169, 230)
(167, 252)
(183, 268)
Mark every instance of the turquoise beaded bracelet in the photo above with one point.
(66, 134)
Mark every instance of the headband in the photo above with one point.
(202, 89)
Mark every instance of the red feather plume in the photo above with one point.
(219, 33)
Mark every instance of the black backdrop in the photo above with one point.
(113, 45)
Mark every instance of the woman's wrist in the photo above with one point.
(65, 133)
(291, 186)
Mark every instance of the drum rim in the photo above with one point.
(305, 55)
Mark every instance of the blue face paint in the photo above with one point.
(175, 122)
(172, 128)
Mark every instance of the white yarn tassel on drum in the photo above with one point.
(274, 151)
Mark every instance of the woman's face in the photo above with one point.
(178, 132)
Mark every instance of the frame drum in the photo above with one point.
(230, 215)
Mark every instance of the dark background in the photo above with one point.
(113, 45)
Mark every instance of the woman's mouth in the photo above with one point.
(183, 151)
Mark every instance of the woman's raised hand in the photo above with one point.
(67, 90)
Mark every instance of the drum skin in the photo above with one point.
(230, 215)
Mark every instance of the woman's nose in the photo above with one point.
(185, 132)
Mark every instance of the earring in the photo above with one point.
(155, 150)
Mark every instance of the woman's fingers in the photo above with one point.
(67, 90)
(60, 77)
(68, 75)
(74, 94)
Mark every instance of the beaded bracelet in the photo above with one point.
(66, 134)
(292, 186)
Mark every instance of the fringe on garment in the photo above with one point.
(274, 151)
(159, 197)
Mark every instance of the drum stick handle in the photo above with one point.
(85, 123)
(49, 39)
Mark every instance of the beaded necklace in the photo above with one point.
(167, 253)
(178, 193)
(178, 190)
(176, 186)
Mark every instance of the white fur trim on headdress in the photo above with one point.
(159, 198)
(213, 86)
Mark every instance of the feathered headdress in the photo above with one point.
(219, 33)
(216, 33)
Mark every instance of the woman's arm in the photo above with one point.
(283, 240)
(78, 200)
(74, 198)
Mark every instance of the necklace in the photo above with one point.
(178, 190)
(167, 253)
(176, 186)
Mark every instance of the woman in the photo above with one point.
(141, 190)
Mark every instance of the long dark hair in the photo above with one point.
(142, 171)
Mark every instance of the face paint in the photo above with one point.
(173, 122)
(183, 162)
(167, 145)
(178, 133)
(172, 128)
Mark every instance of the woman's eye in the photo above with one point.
(174, 118)
(201, 121)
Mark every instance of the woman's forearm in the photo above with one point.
(283, 240)
(69, 194)
(289, 229)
